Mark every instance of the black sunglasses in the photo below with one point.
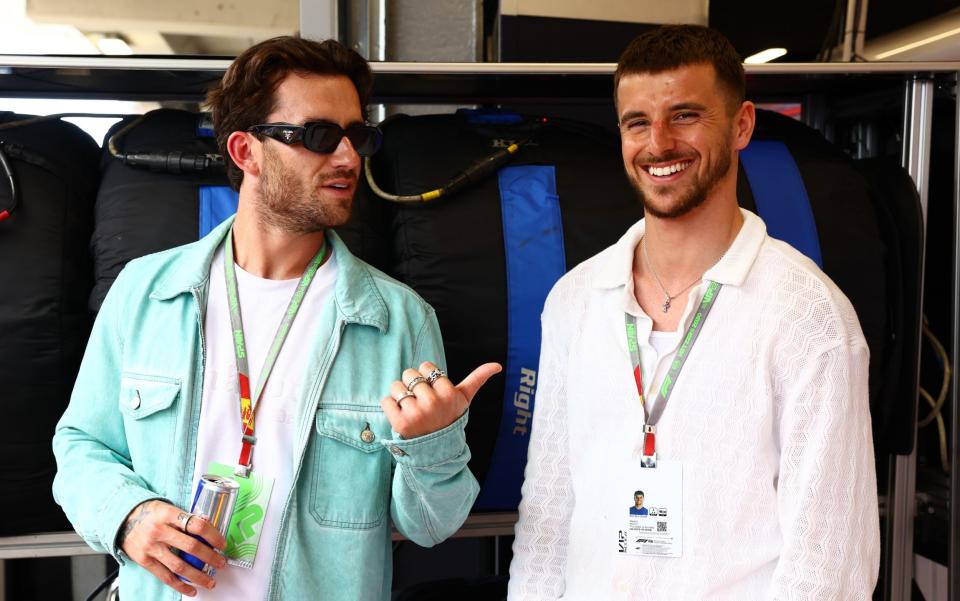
(323, 136)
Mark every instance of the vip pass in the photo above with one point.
(652, 524)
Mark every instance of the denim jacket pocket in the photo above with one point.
(149, 405)
(143, 395)
(352, 469)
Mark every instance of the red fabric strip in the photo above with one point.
(649, 444)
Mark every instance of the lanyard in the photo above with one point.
(666, 388)
(248, 408)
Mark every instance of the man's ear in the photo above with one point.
(244, 149)
(743, 121)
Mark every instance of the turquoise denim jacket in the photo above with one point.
(334, 541)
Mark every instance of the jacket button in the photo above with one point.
(367, 435)
(135, 400)
(397, 451)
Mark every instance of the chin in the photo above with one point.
(669, 205)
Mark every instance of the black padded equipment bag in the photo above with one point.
(897, 207)
(858, 245)
(140, 210)
(45, 278)
(451, 250)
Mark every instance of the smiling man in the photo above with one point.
(263, 353)
(725, 371)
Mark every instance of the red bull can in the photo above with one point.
(214, 501)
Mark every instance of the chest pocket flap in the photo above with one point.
(362, 430)
(143, 395)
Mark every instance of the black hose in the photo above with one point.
(14, 192)
(106, 582)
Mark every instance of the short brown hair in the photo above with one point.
(246, 94)
(674, 46)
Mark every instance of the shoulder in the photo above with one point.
(805, 295)
(572, 291)
(394, 292)
(140, 276)
(368, 295)
(161, 261)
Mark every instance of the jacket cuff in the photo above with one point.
(442, 446)
(114, 514)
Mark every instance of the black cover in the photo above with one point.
(897, 206)
(451, 251)
(140, 211)
(489, 588)
(855, 243)
(45, 277)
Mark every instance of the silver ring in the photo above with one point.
(405, 395)
(183, 521)
(435, 375)
(414, 382)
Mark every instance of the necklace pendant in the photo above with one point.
(666, 305)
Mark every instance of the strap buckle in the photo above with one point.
(649, 457)
(246, 452)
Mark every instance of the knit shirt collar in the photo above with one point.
(730, 270)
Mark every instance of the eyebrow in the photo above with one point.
(683, 106)
(325, 120)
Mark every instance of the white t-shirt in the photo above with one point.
(665, 344)
(262, 304)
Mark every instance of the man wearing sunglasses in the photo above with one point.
(267, 353)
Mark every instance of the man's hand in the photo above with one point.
(426, 408)
(151, 537)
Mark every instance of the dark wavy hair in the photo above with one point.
(673, 46)
(246, 94)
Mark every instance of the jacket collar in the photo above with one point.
(617, 267)
(355, 293)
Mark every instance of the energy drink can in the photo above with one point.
(214, 501)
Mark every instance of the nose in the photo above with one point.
(345, 155)
(661, 137)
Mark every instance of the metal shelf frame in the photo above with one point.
(14, 61)
(169, 78)
(187, 79)
(64, 544)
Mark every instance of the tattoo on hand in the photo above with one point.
(132, 522)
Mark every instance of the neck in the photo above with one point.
(682, 249)
(270, 253)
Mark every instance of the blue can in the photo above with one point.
(214, 501)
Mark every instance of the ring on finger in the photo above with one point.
(414, 382)
(183, 520)
(403, 396)
(435, 375)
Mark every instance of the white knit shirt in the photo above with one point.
(769, 419)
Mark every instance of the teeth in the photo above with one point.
(662, 171)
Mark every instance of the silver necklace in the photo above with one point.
(667, 296)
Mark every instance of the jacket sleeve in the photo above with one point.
(827, 490)
(538, 569)
(433, 490)
(94, 483)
